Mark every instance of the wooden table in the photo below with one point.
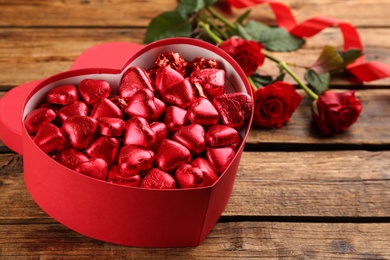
(296, 195)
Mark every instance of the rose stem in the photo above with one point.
(284, 66)
(221, 18)
(213, 36)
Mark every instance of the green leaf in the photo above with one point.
(263, 80)
(242, 32)
(166, 25)
(278, 39)
(318, 82)
(329, 60)
(254, 29)
(242, 17)
(350, 56)
(208, 3)
(190, 6)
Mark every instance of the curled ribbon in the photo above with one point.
(364, 71)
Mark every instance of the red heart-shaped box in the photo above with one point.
(105, 211)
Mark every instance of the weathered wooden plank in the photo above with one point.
(232, 240)
(113, 13)
(32, 53)
(319, 184)
(372, 127)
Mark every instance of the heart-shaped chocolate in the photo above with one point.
(49, 137)
(141, 104)
(171, 154)
(134, 79)
(138, 132)
(188, 176)
(72, 158)
(92, 90)
(38, 117)
(191, 136)
(209, 175)
(158, 179)
(175, 118)
(133, 160)
(62, 95)
(96, 168)
(78, 108)
(161, 132)
(203, 112)
(166, 77)
(115, 176)
(211, 80)
(106, 108)
(111, 126)
(220, 157)
(173, 60)
(180, 94)
(80, 131)
(105, 148)
(160, 109)
(223, 135)
(233, 108)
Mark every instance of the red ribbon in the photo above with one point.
(364, 71)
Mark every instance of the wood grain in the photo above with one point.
(234, 240)
(33, 53)
(311, 184)
(120, 13)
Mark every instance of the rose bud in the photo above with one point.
(49, 137)
(134, 79)
(203, 112)
(158, 179)
(223, 135)
(192, 137)
(106, 108)
(72, 158)
(209, 175)
(105, 148)
(171, 154)
(38, 117)
(78, 108)
(233, 108)
(211, 80)
(80, 131)
(188, 176)
(138, 132)
(62, 95)
(175, 118)
(220, 157)
(132, 160)
(96, 168)
(115, 176)
(334, 112)
(275, 104)
(92, 90)
(111, 126)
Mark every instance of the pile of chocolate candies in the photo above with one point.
(171, 126)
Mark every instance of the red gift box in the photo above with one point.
(110, 212)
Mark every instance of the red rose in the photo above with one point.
(335, 112)
(247, 53)
(274, 104)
